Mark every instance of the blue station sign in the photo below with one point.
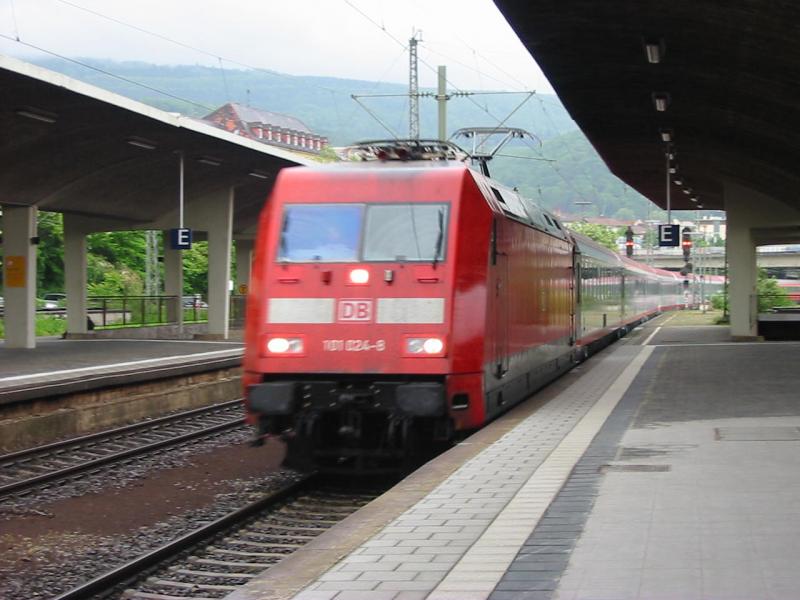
(669, 235)
(180, 239)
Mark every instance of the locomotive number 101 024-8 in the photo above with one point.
(353, 345)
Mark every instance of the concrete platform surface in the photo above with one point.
(55, 361)
(665, 467)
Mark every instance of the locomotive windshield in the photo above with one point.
(321, 232)
(363, 232)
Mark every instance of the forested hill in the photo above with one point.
(571, 171)
(322, 103)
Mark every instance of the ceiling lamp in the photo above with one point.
(143, 143)
(666, 135)
(210, 160)
(661, 101)
(677, 181)
(654, 51)
(37, 114)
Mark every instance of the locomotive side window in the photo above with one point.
(321, 232)
(405, 232)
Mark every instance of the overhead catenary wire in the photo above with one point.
(555, 129)
(165, 38)
(485, 109)
(218, 58)
(423, 61)
(482, 108)
(108, 73)
(14, 20)
(376, 84)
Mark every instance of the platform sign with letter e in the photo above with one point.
(180, 239)
(669, 235)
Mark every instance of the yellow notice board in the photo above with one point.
(15, 271)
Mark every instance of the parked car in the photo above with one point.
(54, 300)
(194, 302)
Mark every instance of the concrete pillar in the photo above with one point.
(244, 258)
(742, 274)
(75, 274)
(173, 281)
(19, 276)
(753, 219)
(219, 225)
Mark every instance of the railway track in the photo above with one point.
(218, 557)
(24, 471)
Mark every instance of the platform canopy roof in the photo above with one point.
(727, 71)
(74, 148)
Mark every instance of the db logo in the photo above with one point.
(354, 310)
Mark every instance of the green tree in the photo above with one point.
(50, 253)
(120, 248)
(607, 236)
(195, 269)
(107, 279)
(769, 294)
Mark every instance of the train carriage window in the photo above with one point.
(405, 232)
(321, 232)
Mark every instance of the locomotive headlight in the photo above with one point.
(281, 345)
(433, 346)
(424, 346)
(359, 276)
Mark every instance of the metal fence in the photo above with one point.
(134, 311)
(111, 312)
(774, 303)
(237, 310)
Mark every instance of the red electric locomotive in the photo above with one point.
(393, 304)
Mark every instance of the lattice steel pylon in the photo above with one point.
(152, 283)
(413, 88)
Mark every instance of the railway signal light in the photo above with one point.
(629, 242)
(686, 243)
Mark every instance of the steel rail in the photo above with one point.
(106, 582)
(15, 456)
(16, 486)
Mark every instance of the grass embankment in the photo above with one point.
(44, 326)
(694, 317)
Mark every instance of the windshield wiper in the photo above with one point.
(439, 238)
(283, 235)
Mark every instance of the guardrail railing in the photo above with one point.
(127, 311)
(110, 312)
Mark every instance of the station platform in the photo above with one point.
(667, 467)
(58, 366)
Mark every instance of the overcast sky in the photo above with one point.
(359, 39)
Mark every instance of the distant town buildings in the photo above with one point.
(638, 227)
(712, 227)
(267, 127)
